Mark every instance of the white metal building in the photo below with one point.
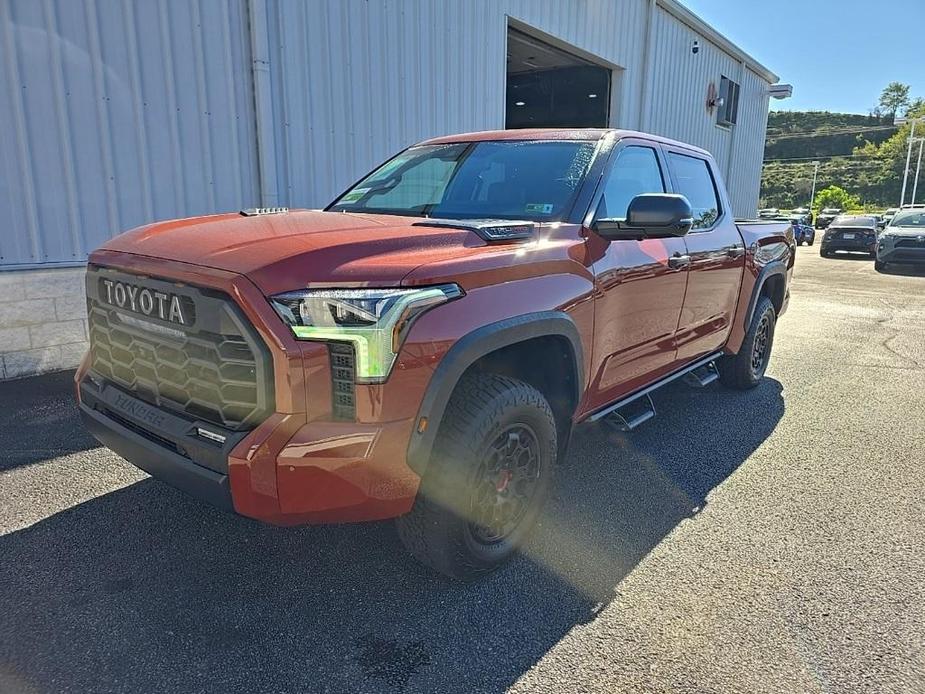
(116, 113)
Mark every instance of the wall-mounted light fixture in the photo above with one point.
(780, 91)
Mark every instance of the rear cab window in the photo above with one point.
(694, 180)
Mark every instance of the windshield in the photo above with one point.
(530, 180)
(909, 219)
(854, 221)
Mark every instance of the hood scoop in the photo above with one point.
(490, 230)
(260, 211)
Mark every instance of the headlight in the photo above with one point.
(375, 321)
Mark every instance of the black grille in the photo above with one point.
(215, 370)
(910, 243)
(343, 391)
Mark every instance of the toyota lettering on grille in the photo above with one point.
(147, 302)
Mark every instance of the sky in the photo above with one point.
(837, 54)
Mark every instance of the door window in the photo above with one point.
(695, 182)
(635, 172)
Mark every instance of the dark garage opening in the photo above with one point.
(548, 87)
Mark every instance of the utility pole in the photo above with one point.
(915, 181)
(812, 196)
(902, 197)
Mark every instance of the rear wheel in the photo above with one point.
(746, 368)
(487, 479)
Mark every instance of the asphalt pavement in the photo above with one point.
(768, 541)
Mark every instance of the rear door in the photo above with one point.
(717, 254)
(640, 284)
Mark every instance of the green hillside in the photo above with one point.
(854, 152)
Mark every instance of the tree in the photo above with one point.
(894, 99)
(917, 105)
(835, 196)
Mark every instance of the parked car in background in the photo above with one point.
(850, 233)
(805, 213)
(802, 232)
(768, 213)
(888, 216)
(903, 240)
(825, 217)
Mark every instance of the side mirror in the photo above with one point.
(651, 215)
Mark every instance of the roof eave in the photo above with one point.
(680, 12)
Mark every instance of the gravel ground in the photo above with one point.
(765, 541)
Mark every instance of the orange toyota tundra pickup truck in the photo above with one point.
(423, 347)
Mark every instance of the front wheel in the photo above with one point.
(745, 369)
(488, 477)
(880, 266)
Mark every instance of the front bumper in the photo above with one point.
(157, 460)
(891, 253)
(854, 245)
(285, 472)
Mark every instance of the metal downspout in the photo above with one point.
(263, 103)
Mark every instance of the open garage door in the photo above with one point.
(548, 87)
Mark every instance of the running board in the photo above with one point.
(647, 410)
(632, 414)
(702, 376)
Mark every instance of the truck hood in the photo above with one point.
(903, 232)
(282, 252)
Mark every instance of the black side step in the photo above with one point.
(702, 376)
(629, 416)
(628, 413)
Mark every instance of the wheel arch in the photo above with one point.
(772, 283)
(492, 348)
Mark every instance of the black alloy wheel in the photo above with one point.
(505, 484)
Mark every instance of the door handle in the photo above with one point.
(735, 251)
(677, 261)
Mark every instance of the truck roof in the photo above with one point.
(592, 134)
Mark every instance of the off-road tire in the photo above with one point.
(738, 370)
(439, 530)
(823, 253)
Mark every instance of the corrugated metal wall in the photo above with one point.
(748, 152)
(355, 81)
(118, 113)
(677, 107)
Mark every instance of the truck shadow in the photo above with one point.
(52, 426)
(144, 589)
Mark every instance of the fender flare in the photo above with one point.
(775, 267)
(470, 348)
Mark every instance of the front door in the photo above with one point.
(639, 294)
(717, 254)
